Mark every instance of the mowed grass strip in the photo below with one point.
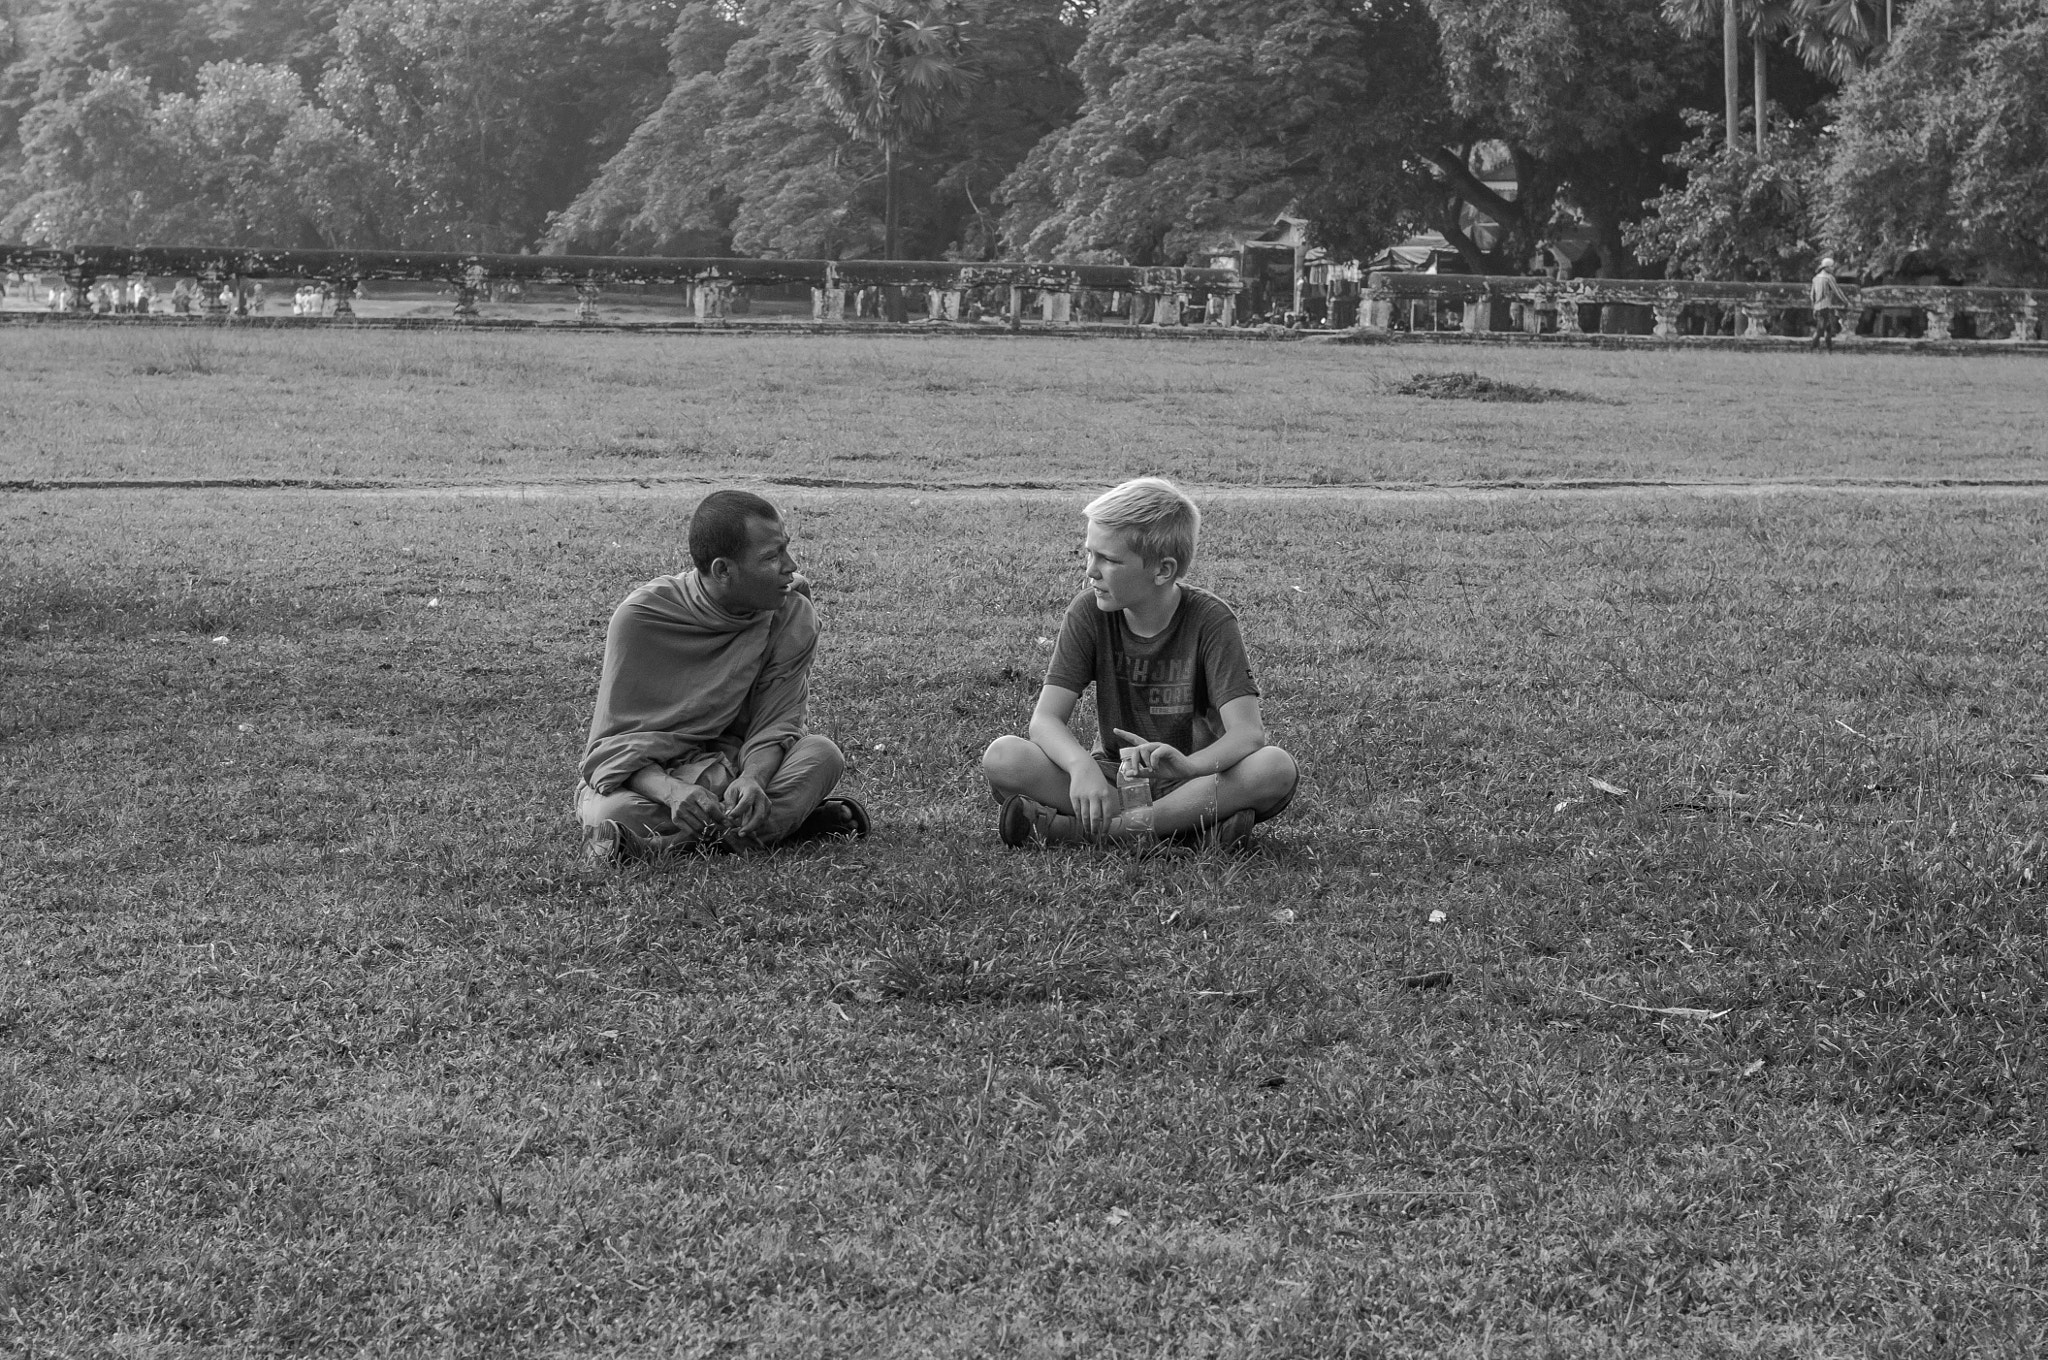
(143, 403)
(320, 1037)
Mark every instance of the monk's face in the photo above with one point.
(762, 574)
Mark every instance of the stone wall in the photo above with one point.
(1051, 290)
(1673, 310)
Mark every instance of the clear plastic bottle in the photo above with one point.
(1134, 792)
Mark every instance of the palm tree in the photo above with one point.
(889, 71)
(1832, 37)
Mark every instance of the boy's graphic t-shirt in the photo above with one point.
(1169, 687)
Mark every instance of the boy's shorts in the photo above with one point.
(1162, 786)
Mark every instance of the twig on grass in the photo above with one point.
(1673, 1012)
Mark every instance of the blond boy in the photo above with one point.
(1174, 695)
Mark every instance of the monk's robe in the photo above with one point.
(684, 680)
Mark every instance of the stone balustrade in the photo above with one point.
(1017, 293)
(1670, 309)
(1164, 296)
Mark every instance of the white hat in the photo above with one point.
(1827, 262)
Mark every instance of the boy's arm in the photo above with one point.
(1228, 670)
(1094, 801)
(1244, 732)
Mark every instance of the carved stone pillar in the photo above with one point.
(78, 284)
(1376, 310)
(2027, 324)
(1016, 314)
(467, 289)
(1226, 309)
(1756, 318)
(1568, 315)
(1475, 317)
(713, 298)
(828, 304)
(1940, 316)
(1667, 308)
(587, 292)
(1056, 306)
(951, 301)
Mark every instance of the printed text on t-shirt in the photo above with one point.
(1164, 685)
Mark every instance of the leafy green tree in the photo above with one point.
(258, 164)
(1942, 148)
(1201, 116)
(52, 46)
(889, 71)
(1738, 215)
(93, 166)
(1832, 38)
(744, 154)
(740, 153)
(485, 116)
(1587, 95)
(247, 160)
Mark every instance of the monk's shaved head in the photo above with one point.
(719, 528)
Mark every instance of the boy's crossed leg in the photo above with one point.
(1259, 786)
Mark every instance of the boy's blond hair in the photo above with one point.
(1155, 516)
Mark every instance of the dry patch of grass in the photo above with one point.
(1469, 386)
(319, 1037)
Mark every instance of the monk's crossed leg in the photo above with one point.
(810, 772)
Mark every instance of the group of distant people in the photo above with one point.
(141, 296)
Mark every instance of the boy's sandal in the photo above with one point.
(1021, 821)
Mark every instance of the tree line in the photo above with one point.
(1705, 138)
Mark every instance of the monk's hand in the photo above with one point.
(1094, 801)
(695, 810)
(746, 805)
(1156, 758)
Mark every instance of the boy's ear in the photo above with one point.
(1166, 570)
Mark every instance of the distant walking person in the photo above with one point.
(1828, 300)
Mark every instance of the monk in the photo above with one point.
(699, 738)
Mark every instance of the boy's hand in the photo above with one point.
(1156, 757)
(1095, 802)
(746, 805)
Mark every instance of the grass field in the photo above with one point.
(133, 402)
(317, 1036)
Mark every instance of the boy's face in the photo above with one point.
(1117, 575)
